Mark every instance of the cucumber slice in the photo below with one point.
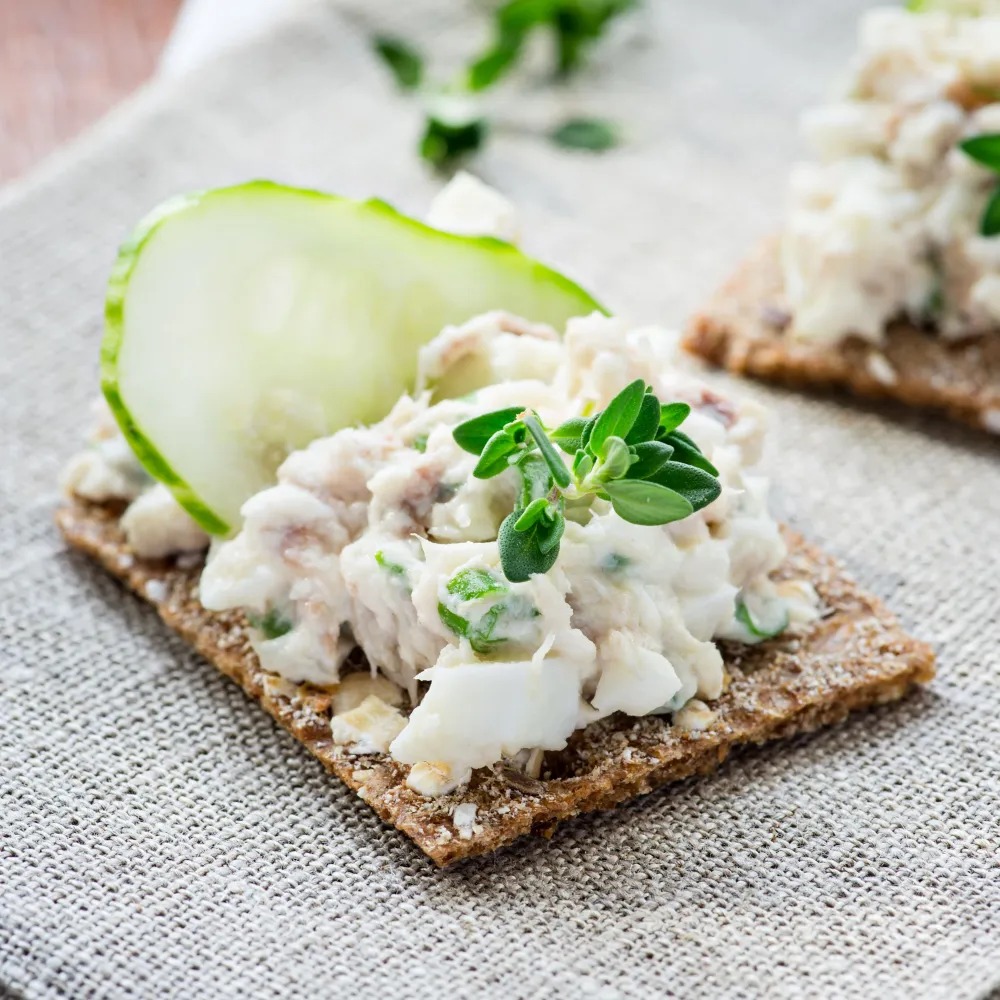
(244, 322)
(961, 8)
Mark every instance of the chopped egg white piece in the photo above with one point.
(355, 688)
(475, 713)
(695, 716)
(436, 778)
(369, 728)
(635, 680)
(468, 207)
(156, 526)
(464, 819)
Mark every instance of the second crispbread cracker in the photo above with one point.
(856, 655)
(741, 329)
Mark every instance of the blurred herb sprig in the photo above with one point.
(455, 127)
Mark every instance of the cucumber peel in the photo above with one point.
(244, 322)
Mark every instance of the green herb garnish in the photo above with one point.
(446, 142)
(990, 223)
(474, 434)
(403, 60)
(420, 442)
(475, 584)
(615, 562)
(479, 633)
(934, 304)
(580, 23)
(592, 134)
(273, 624)
(632, 454)
(390, 567)
(985, 149)
(574, 25)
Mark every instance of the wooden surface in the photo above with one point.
(64, 63)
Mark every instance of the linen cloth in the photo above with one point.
(159, 836)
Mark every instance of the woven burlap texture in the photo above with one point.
(159, 836)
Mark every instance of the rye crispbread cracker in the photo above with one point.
(856, 655)
(742, 326)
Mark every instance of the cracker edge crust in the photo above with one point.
(854, 657)
(959, 379)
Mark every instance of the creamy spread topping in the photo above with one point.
(885, 223)
(380, 537)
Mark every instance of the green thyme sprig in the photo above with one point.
(574, 24)
(455, 126)
(273, 624)
(404, 61)
(632, 454)
(985, 149)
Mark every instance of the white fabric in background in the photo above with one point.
(204, 28)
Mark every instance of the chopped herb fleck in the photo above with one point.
(591, 134)
(480, 634)
(474, 584)
(934, 305)
(614, 562)
(273, 624)
(445, 492)
(403, 60)
(574, 26)
(446, 143)
(390, 567)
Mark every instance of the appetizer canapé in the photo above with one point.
(542, 580)
(886, 276)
